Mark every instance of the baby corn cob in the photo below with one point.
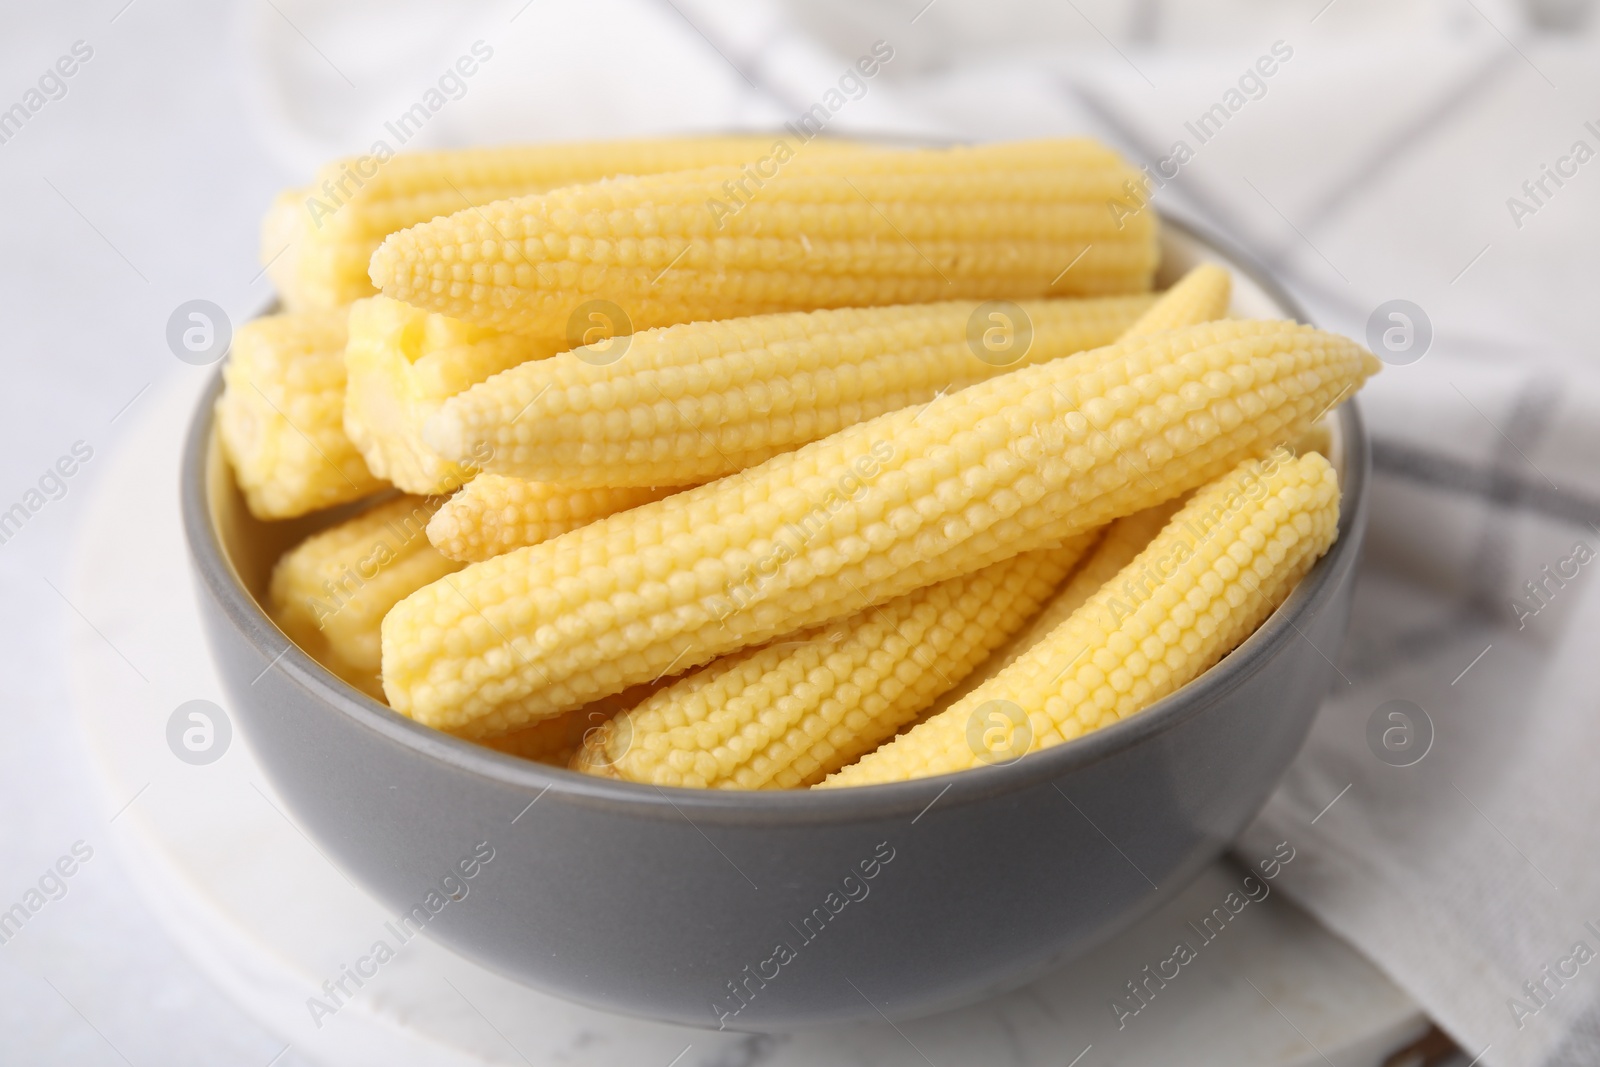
(694, 402)
(402, 365)
(819, 231)
(329, 592)
(826, 356)
(793, 712)
(493, 514)
(1122, 540)
(281, 416)
(1207, 581)
(1202, 295)
(316, 241)
(879, 509)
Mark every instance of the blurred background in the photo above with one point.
(1401, 150)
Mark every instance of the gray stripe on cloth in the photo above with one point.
(1478, 608)
(1582, 1046)
(1528, 423)
(1505, 488)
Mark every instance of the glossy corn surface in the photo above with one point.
(1213, 574)
(316, 241)
(1200, 296)
(856, 519)
(281, 416)
(1114, 548)
(402, 364)
(330, 592)
(494, 514)
(697, 401)
(794, 711)
(846, 229)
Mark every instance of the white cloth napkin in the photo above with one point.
(1374, 163)
(1468, 873)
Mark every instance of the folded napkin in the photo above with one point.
(1446, 803)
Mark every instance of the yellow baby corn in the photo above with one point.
(330, 592)
(879, 509)
(1223, 563)
(316, 241)
(494, 514)
(1121, 541)
(844, 229)
(794, 711)
(402, 365)
(281, 416)
(1202, 295)
(694, 402)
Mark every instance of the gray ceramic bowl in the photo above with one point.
(773, 911)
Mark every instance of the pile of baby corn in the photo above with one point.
(674, 464)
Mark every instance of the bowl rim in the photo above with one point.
(867, 803)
